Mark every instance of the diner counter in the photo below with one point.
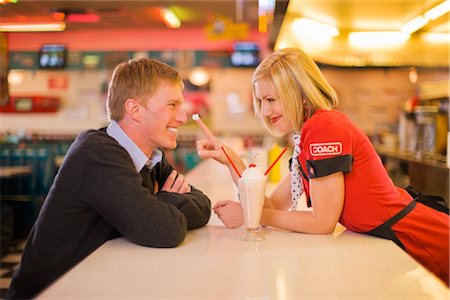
(212, 263)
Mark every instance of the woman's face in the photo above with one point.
(271, 107)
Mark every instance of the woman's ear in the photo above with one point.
(133, 109)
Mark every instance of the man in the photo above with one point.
(116, 181)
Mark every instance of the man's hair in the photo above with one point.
(297, 82)
(137, 79)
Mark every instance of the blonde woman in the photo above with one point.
(334, 163)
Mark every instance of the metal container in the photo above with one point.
(426, 124)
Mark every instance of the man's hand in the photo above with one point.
(176, 183)
(230, 213)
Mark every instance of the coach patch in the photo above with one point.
(320, 149)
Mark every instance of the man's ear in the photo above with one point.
(133, 109)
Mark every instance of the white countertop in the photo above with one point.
(212, 263)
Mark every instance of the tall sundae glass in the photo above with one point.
(252, 190)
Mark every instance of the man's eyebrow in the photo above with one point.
(176, 100)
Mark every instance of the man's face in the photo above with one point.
(162, 116)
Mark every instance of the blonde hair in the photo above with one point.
(297, 82)
(138, 79)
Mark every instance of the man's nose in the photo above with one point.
(181, 116)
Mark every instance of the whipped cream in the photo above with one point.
(254, 173)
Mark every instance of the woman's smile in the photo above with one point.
(275, 119)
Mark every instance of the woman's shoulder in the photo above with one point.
(327, 122)
(326, 117)
(332, 113)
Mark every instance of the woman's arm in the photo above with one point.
(280, 198)
(327, 196)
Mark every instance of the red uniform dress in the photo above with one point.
(331, 143)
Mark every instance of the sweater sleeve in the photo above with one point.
(112, 188)
(195, 206)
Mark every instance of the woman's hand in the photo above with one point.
(230, 213)
(206, 149)
(212, 148)
(209, 147)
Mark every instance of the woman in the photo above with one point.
(334, 163)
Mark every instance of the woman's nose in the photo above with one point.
(265, 109)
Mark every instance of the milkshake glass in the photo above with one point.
(252, 190)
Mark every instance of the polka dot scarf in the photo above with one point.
(296, 182)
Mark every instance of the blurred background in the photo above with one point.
(387, 59)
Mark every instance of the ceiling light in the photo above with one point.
(432, 14)
(8, 1)
(32, 27)
(377, 39)
(414, 25)
(199, 76)
(312, 28)
(438, 10)
(170, 19)
(265, 14)
(59, 16)
(436, 37)
(282, 43)
(412, 75)
(15, 78)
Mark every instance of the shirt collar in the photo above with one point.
(137, 155)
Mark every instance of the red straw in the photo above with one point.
(234, 167)
(275, 161)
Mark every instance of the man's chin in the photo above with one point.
(171, 145)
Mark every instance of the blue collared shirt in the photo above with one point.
(137, 155)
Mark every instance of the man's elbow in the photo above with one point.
(166, 236)
(172, 241)
(200, 221)
(169, 240)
